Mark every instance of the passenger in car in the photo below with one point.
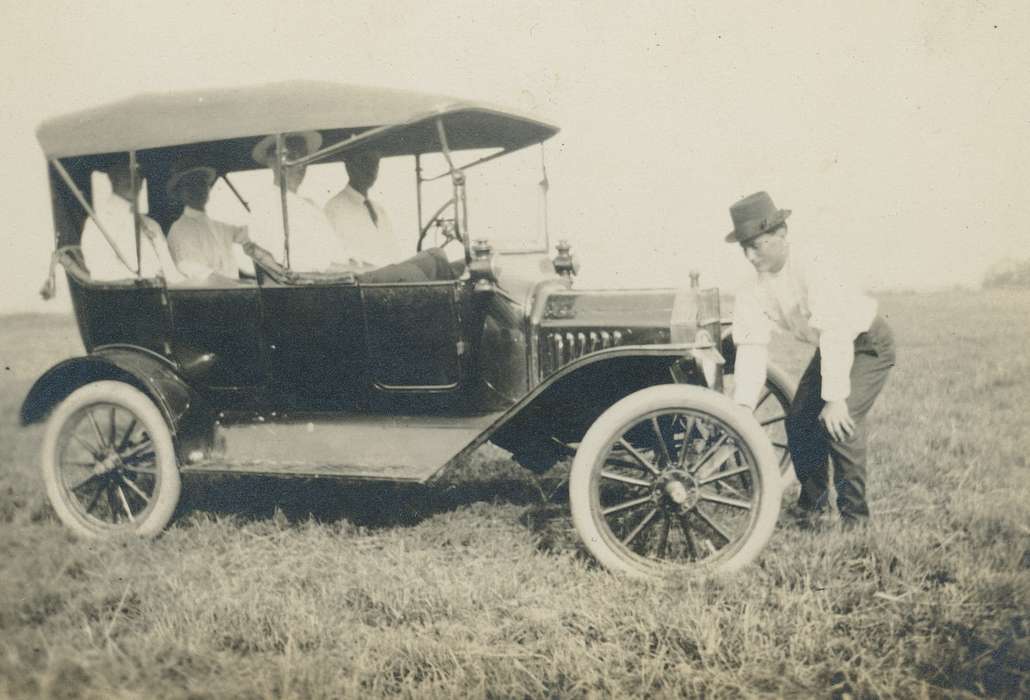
(115, 214)
(201, 246)
(312, 241)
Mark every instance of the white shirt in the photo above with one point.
(811, 299)
(116, 215)
(369, 244)
(202, 246)
(313, 244)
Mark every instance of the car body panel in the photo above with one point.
(360, 446)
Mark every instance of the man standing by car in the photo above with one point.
(806, 296)
(201, 246)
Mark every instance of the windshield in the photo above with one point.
(506, 201)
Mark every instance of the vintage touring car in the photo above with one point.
(341, 374)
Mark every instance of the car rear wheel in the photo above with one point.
(109, 463)
(675, 478)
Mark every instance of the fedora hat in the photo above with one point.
(264, 151)
(181, 170)
(754, 215)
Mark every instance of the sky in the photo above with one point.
(897, 133)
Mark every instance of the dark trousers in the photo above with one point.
(811, 446)
(427, 266)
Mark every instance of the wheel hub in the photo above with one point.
(678, 489)
(107, 464)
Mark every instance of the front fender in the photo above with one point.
(565, 404)
(188, 416)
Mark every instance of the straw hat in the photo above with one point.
(264, 151)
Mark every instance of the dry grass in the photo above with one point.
(477, 587)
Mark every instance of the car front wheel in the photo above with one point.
(675, 478)
(109, 463)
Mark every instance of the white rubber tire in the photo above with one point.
(157, 514)
(590, 457)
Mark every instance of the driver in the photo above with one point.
(362, 225)
(367, 244)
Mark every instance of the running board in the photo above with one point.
(352, 446)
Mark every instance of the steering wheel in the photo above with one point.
(448, 226)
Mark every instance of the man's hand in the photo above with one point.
(837, 421)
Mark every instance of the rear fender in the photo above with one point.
(565, 405)
(188, 416)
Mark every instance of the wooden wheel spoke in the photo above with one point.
(136, 489)
(136, 449)
(80, 465)
(626, 505)
(712, 524)
(666, 459)
(641, 526)
(111, 504)
(96, 428)
(124, 503)
(688, 428)
(663, 538)
(719, 476)
(688, 536)
(128, 435)
(710, 451)
(715, 460)
(112, 430)
(615, 476)
(725, 500)
(83, 482)
(94, 452)
(140, 469)
(644, 462)
(96, 498)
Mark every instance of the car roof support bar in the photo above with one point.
(280, 158)
(89, 210)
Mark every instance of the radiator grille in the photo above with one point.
(560, 348)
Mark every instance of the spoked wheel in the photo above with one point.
(771, 412)
(673, 478)
(109, 463)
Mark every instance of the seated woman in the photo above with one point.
(115, 214)
(201, 246)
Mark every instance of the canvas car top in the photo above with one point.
(153, 120)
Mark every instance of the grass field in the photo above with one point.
(478, 587)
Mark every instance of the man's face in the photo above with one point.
(362, 169)
(193, 190)
(295, 148)
(768, 252)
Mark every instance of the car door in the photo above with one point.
(413, 335)
(216, 336)
(315, 336)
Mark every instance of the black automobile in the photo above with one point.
(341, 374)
